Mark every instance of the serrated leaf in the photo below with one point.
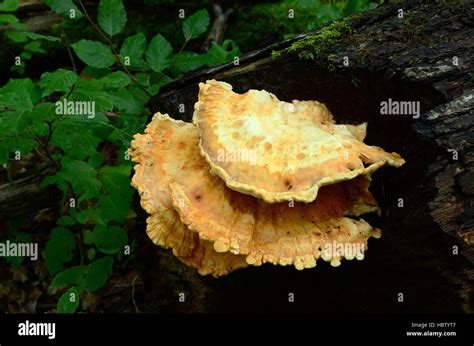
(195, 24)
(187, 61)
(16, 36)
(133, 48)
(64, 7)
(70, 276)
(92, 190)
(112, 16)
(115, 203)
(82, 177)
(69, 301)
(66, 138)
(126, 102)
(94, 53)
(25, 84)
(36, 36)
(114, 208)
(9, 5)
(98, 273)
(59, 80)
(91, 91)
(110, 239)
(158, 53)
(19, 94)
(59, 249)
(19, 100)
(116, 80)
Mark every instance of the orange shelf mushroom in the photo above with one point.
(197, 211)
(297, 146)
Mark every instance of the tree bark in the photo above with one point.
(24, 197)
(218, 27)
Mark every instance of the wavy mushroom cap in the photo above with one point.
(239, 224)
(161, 155)
(279, 151)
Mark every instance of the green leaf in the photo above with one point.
(19, 94)
(116, 80)
(63, 7)
(69, 301)
(220, 54)
(155, 88)
(34, 47)
(143, 79)
(196, 24)
(35, 36)
(158, 53)
(95, 73)
(71, 131)
(112, 16)
(82, 177)
(116, 182)
(68, 277)
(98, 273)
(96, 159)
(329, 12)
(94, 53)
(59, 80)
(59, 249)
(91, 91)
(187, 61)
(66, 220)
(23, 84)
(132, 51)
(354, 6)
(110, 239)
(26, 55)
(126, 102)
(9, 5)
(88, 237)
(16, 36)
(90, 214)
(8, 18)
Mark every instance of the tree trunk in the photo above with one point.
(404, 50)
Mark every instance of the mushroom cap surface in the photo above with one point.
(279, 151)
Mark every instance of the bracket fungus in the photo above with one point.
(298, 146)
(218, 216)
(161, 156)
